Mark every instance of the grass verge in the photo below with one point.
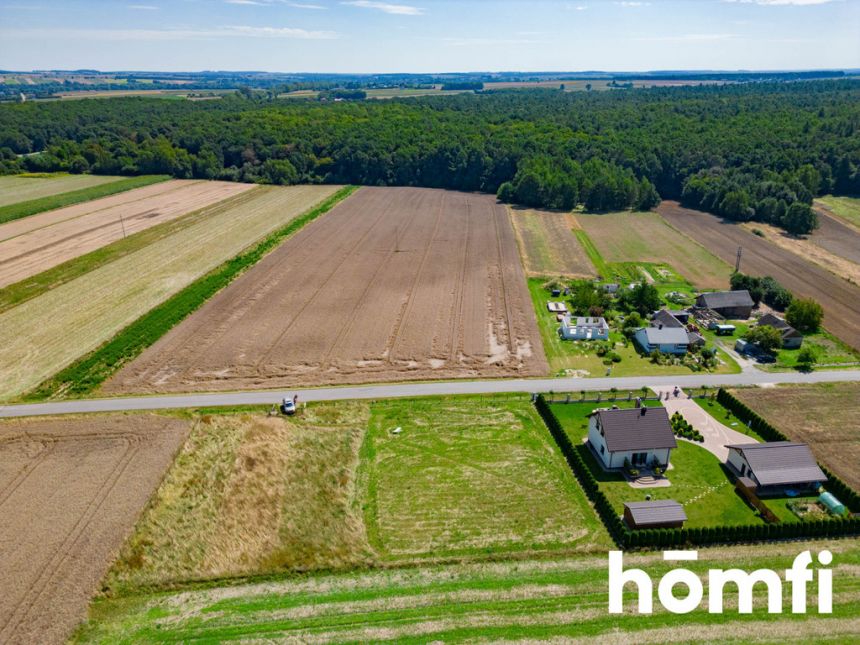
(34, 286)
(593, 254)
(35, 206)
(87, 373)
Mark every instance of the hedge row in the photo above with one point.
(700, 536)
(839, 488)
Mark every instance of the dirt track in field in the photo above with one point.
(70, 492)
(34, 244)
(392, 284)
(841, 300)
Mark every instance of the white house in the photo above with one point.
(583, 328)
(641, 435)
(669, 340)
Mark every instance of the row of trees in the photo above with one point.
(758, 151)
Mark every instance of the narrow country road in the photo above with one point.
(400, 390)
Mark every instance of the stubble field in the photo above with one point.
(392, 284)
(548, 245)
(826, 416)
(70, 491)
(46, 333)
(34, 244)
(645, 237)
(840, 300)
(21, 188)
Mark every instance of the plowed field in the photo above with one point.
(392, 284)
(34, 244)
(548, 245)
(70, 492)
(841, 300)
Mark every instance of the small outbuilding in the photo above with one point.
(643, 436)
(729, 304)
(666, 319)
(791, 338)
(656, 514)
(776, 466)
(557, 307)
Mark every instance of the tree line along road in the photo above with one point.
(406, 390)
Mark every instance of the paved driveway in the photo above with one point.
(716, 435)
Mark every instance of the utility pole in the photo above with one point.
(122, 222)
(738, 262)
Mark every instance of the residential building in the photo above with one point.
(584, 328)
(776, 466)
(643, 436)
(669, 340)
(791, 338)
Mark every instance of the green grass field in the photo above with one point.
(31, 186)
(724, 416)
(469, 476)
(51, 202)
(532, 600)
(847, 208)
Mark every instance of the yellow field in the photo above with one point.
(548, 246)
(21, 188)
(47, 333)
(646, 237)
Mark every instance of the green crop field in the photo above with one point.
(646, 237)
(469, 476)
(27, 187)
(65, 193)
(532, 600)
(847, 208)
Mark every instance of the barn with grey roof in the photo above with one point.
(776, 465)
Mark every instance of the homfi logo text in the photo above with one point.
(799, 576)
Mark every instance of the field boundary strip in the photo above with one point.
(20, 292)
(90, 371)
(35, 206)
(593, 254)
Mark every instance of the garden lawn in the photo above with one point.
(469, 476)
(699, 481)
(725, 416)
(579, 358)
(829, 352)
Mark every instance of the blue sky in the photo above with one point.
(428, 35)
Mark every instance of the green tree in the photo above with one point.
(643, 298)
(768, 338)
(804, 314)
(806, 358)
(800, 219)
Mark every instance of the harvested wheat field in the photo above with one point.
(840, 300)
(645, 237)
(22, 188)
(548, 245)
(35, 244)
(826, 416)
(391, 284)
(834, 235)
(70, 492)
(43, 335)
(252, 494)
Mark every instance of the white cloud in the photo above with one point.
(142, 7)
(633, 4)
(689, 38)
(397, 9)
(302, 5)
(581, 7)
(247, 2)
(238, 31)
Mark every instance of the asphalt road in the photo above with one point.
(400, 390)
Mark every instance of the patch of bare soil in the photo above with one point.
(840, 300)
(393, 284)
(70, 491)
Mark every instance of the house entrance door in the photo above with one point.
(639, 458)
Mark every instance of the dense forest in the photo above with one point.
(745, 151)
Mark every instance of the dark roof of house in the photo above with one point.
(666, 319)
(661, 511)
(636, 429)
(720, 299)
(695, 339)
(775, 321)
(779, 463)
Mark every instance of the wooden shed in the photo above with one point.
(656, 514)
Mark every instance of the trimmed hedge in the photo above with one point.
(839, 488)
(698, 536)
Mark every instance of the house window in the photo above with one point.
(602, 450)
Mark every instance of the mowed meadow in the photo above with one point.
(48, 332)
(22, 188)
